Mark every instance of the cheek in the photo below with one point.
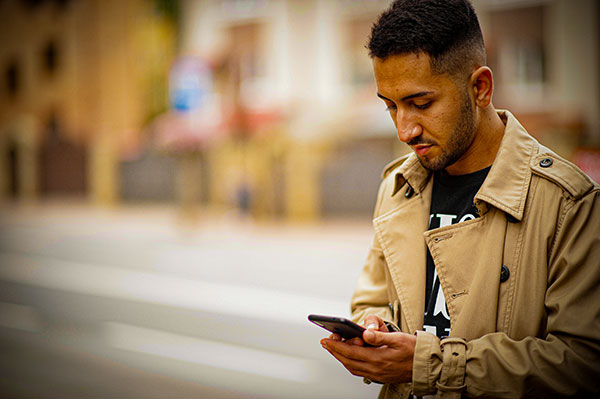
(435, 128)
(440, 124)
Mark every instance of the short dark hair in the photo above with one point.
(447, 30)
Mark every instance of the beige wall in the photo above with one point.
(109, 54)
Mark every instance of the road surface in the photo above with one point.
(133, 303)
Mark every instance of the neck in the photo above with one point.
(482, 152)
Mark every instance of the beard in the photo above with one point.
(458, 142)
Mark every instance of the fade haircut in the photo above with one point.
(447, 30)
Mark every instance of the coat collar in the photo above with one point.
(507, 183)
(412, 172)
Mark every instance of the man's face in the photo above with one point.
(431, 112)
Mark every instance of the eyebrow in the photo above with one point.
(419, 94)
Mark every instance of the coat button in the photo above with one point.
(504, 274)
(546, 162)
(409, 192)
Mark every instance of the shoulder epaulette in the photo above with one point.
(393, 165)
(563, 173)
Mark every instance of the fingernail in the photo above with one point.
(371, 326)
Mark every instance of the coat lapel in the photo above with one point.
(400, 234)
(468, 258)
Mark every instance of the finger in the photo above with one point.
(377, 338)
(332, 338)
(396, 340)
(372, 322)
(355, 341)
(355, 367)
(355, 352)
(375, 322)
(335, 337)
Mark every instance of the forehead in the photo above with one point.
(404, 74)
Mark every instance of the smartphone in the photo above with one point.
(343, 327)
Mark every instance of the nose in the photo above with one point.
(407, 128)
(410, 132)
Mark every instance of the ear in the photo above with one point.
(482, 84)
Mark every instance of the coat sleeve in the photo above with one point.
(372, 296)
(565, 362)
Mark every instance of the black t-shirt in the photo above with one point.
(451, 202)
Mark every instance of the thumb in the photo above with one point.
(371, 323)
(380, 338)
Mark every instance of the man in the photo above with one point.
(483, 278)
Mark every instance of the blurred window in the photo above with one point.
(31, 3)
(13, 174)
(516, 52)
(62, 3)
(360, 71)
(244, 51)
(50, 58)
(244, 83)
(13, 79)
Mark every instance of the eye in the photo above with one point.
(422, 106)
(391, 107)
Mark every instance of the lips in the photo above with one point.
(421, 149)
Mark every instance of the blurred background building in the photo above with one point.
(241, 118)
(274, 113)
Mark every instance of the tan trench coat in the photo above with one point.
(535, 331)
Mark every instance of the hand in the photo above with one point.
(389, 360)
(373, 322)
(370, 322)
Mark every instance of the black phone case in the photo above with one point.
(338, 325)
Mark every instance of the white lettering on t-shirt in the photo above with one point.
(445, 220)
(430, 329)
(440, 301)
(468, 216)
